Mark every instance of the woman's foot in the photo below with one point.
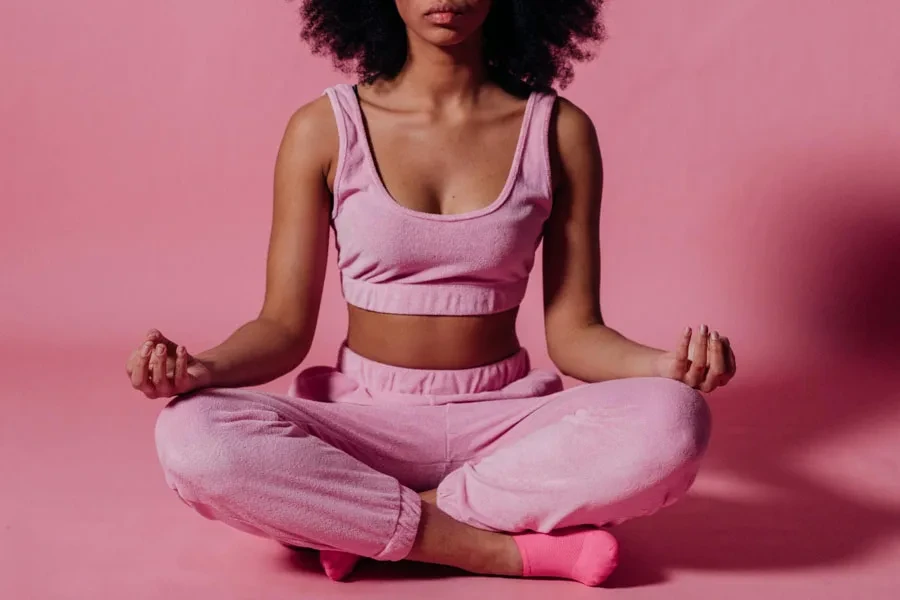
(584, 554)
(337, 565)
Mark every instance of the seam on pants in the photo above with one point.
(446, 466)
(320, 431)
(472, 456)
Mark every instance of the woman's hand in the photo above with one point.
(705, 364)
(161, 368)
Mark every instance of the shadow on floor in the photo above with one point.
(845, 383)
(849, 303)
(308, 560)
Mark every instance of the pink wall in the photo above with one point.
(752, 153)
(753, 182)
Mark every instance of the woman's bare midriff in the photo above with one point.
(432, 342)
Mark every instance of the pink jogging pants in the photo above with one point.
(337, 463)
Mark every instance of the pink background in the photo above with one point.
(752, 156)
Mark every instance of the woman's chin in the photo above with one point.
(449, 39)
(444, 36)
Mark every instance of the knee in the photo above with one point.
(678, 422)
(195, 441)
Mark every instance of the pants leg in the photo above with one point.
(594, 454)
(306, 473)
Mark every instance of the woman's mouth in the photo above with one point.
(443, 14)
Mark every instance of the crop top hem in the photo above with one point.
(433, 298)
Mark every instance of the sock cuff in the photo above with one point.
(522, 545)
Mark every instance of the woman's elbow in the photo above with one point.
(561, 356)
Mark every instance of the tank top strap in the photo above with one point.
(350, 169)
(534, 171)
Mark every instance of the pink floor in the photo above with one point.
(751, 182)
(805, 506)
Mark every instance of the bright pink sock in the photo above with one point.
(584, 554)
(337, 565)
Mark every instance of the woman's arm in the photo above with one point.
(279, 338)
(580, 345)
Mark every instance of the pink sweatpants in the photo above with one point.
(336, 464)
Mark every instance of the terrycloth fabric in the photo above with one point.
(337, 463)
(396, 260)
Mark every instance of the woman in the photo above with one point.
(433, 440)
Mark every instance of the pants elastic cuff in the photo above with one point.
(407, 527)
(445, 503)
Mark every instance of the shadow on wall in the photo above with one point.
(775, 513)
(842, 394)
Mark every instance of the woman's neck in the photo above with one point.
(437, 78)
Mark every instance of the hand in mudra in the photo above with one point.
(161, 368)
(704, 363)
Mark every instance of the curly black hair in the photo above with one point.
(528, 44)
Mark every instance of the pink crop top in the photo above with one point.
(393, 259)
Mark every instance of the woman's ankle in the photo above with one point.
(504, 558)
(443, 540)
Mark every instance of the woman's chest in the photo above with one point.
(378, 239)
(444, 168)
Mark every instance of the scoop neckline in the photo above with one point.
(389, 199)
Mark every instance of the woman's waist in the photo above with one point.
(387, 384)
(432, 342)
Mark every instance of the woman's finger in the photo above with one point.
(681, 354)
(139, 371)
(139, 375)
(158, 367)
(697, 372)
(717, 363)
(181, 374)
(156, 336)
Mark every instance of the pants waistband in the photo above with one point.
(378, 376)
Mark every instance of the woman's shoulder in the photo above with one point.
(574, 147)
(314, 117)
(313, 126)
(571, 119)
(573, 136)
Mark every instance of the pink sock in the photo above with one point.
(584, 554)
(337, 565)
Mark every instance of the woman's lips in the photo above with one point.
(444, 17)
